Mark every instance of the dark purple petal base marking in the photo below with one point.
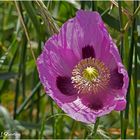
(65, 86)
(94, 101)
(88, 52)
(116, 80)
(96, 105)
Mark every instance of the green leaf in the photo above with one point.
(33, 16)
(110, 20)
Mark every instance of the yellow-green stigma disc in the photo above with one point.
(90, 73)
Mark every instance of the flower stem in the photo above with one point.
(53, 120)
(122, 124)
(96, 127)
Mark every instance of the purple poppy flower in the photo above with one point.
(81, 69)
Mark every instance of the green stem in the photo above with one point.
(122, 124)
(137, 10)
(72, 129)
(20, 109)
(96, 127)
(53, 120)
(35, 101)
(23, 57)
(129, 74)
(9, 70)
(21, 71)
(135, 95)
(31, 12)
(94, 5)
(38, 92)
(83, 3)
(135, 81)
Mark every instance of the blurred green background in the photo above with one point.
(25, 110)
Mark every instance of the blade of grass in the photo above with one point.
(126, 12)
(94, 5)
(23, 57)
(5, 19)
(110, 20)
(85, 133)
(59, 123)
(71, 135)
(16, 93)
(35, 101)
(7, 52)
(42, 127)
(135, 80)
(135, 95)
(23, 66)
(83, 3)
(20, 109)
(95, 127)
(105, 12)
(137, 10)
(17, 89)
(130, 62)
(21, 75)
(34, 83)
(24, 27)
(48, 19)
(9, 70)
(53, 120)
(38, 93)
(32, 14)
(21, 70)
(122, 124)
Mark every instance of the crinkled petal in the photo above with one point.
(119, 81)
(88, 107)
(122, 71)
(111, 57)
(48, 76)
(121, 104)
(116, 79)
(61, 58)
(90, 33)
(83, 31)
(78, 111)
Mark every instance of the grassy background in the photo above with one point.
(24, 107)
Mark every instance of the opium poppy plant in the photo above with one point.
(81, 69)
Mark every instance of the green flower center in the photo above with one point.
(90, 73)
